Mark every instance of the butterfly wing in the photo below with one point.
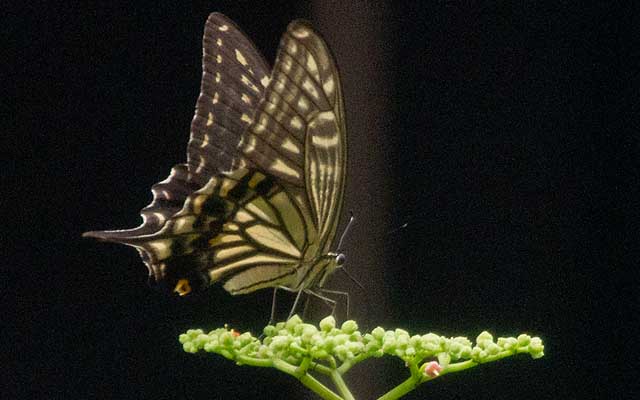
(231, 86)
(234, 75)
(259, 199)
(299, 136)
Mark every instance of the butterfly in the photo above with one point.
(258, 201)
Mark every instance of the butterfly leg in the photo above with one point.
(272, 318)
(306, 307)
(295, 303)
(339, 293)
(331, 303)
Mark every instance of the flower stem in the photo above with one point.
(405, 387)
(315, 385)
(341, 385)
(307, 380)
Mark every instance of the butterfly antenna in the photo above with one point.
(344, 233)
(394, 230)
(354, 280)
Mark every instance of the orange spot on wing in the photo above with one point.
(183, 287)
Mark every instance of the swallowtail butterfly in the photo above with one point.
(257, 203)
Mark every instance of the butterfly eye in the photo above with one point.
(340, 259)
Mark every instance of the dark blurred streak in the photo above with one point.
(362, 48)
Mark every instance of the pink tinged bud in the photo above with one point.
(432, 369)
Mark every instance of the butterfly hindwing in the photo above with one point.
(232, 69)
(241, 228)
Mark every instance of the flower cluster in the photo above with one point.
(293, 341)
(302, 350)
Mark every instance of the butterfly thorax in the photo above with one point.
(314, 273)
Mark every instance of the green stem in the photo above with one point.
(457, 367)
(405, 387)
(346, 366)
(315, 385)
(341, 385)
(307, 380)
(254, 362)
(323, 369)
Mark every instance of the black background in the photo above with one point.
(501, 142)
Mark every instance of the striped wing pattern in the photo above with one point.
(257, 203)
(234, 75)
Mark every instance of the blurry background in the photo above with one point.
(495, 133)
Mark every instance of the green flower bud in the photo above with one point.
(455, 348)
(493, 349)
(431, 338)
(523, 340)
(340, 350)
(402, 341)
(211, 347)
(226, 339)
(378, 333)
(279, 342)
(330, 343)
(476, 353)
(349, 327)
(463, 341)
(509, 344)
(309, 329)
(484, 338)
(269, 330)
(354, 347)
(372, 347)
(430, 342)
(341, 338)
(389, 345)
(444, 359)
(319, 353)
(293, 322)
(263, 352)
(415, 341)
(245, 338)
(189, 347)
(401, 332)
(327, 323)
(536, 348)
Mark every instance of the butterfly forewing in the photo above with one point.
(298, 133)
(258, 202)
(233, 77)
